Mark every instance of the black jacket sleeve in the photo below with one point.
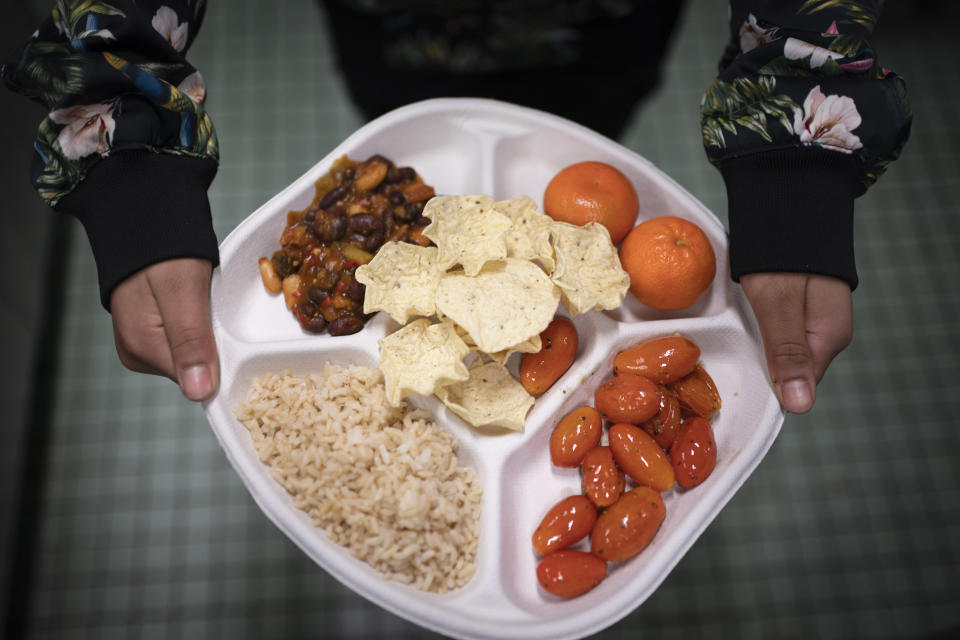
(126, 145)
(801, 119)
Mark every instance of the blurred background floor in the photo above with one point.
(850, 528)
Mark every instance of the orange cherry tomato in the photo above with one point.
(665, 425)
(697, 393)
(663, 360)
(576, 434)
(625, 528)
(694, 452)
(566, 523)
(603, 481)
(570, 573)
(538, 371)
(632, 399)
(640, 457)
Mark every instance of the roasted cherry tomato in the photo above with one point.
(538, 371)
(663, 360)
(627, 527)
(665, 425)
(632, 399)
(697, 393)
(603, 481)
(640, 457)
(567, 522)
(570, 573)
(694, 452)
(576, 434)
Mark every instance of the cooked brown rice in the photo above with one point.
(384, 482)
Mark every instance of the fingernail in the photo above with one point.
(797, 396)
(195, 382)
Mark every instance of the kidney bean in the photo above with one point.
(345, 324)
(355, 291)
(422, 221)
(365, 223)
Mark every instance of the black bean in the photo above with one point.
(315, 324)
(332, 196)
(373, 242)
(392, 176)
(310, 215)
(366, 223)
(422, 221)
(307, 308)
(379, 158)
(397, 198)
(355, 291)
(345, 324)
(316, 295)
(406, 174)
(283, 264)
(408, 212)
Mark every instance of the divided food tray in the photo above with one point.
(477, 146)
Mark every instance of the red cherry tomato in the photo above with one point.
(694, 452)
(567, 522)
(575, 435)
(570, 573)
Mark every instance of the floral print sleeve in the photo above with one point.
(801, 119)
(125, 123)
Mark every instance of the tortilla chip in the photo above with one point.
(402, 280)
(507, 303)
(588, 269)
(529, 236)
(420, 357)
(467, 231)
(491, 397)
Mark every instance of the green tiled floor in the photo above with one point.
(850, 528)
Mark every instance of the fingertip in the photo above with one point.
(796, 396)
(197, 382)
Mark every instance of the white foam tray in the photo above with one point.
(467, 146)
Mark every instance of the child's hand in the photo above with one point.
(805, 320)
(161, 324)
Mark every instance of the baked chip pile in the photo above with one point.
(488, 288)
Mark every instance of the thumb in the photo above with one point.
(181, 288)
(777, 300)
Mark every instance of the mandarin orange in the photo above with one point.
(593, 191)
(670, 261)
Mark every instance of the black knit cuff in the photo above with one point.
(140, 208)
(792, 211)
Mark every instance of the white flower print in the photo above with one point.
(752, 35)
(166, 24)
(89, 129)
(193, 87)
(795, 49)
(828, 121)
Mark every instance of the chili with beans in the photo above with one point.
(358, 207)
